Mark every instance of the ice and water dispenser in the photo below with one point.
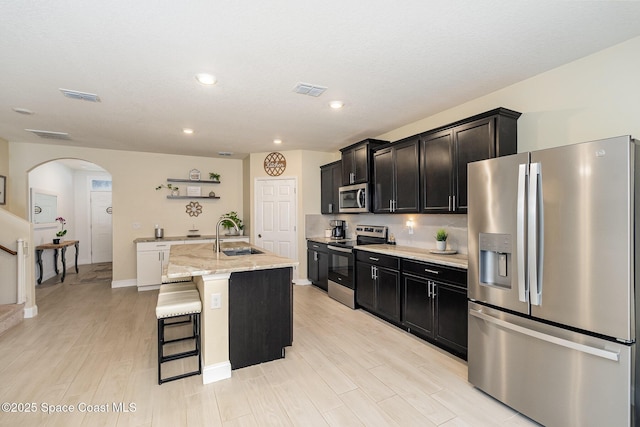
(495, 259)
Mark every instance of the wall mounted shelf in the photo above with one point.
(201, 181)
(192, 197)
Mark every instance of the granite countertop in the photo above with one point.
(178, 238)
(418, 254)
(409, 252)
(199, 259)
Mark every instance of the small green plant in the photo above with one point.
(214, 176)
(169, 186)
(231, 216)
(441, 235)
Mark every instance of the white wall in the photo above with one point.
(305, 167)
(137, 206)
(57, 179)
(592, 98)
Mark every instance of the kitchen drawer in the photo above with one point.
(315, 246)
(157, 246)
(378, 259)
(438, 272)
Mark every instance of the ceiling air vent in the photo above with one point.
(85, 96)
(50, 135)
(309, 89)
(225, 153)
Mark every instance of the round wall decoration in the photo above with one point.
(194, 209)
(275, 164)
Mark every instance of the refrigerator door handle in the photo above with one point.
(605, 354)
(535, 225)
(523, 284)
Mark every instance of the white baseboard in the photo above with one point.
(303, 282)
(30, 312)
(124, 283)
(219, 371)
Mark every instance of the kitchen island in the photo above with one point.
(246, 294)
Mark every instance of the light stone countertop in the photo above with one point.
(200, 259)
(418, 254)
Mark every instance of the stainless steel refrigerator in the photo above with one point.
(553, 256)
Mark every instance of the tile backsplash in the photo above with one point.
(425, 227)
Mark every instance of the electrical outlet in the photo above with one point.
(216, 301)
(136, 226)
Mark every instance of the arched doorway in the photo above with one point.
(82, 191)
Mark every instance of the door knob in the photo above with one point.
(260, 236)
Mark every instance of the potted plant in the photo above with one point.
(214, 176)
(441, 239)
(174, 190)
(228, 225)
(62, 231)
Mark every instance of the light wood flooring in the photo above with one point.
(93, 345)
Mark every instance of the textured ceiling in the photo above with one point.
(391, 62)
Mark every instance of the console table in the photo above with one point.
(56, 247)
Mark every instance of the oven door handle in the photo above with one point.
(335, 248)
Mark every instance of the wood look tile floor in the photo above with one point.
(94, 348)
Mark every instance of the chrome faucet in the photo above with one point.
(217, 248)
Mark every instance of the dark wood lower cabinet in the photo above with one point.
(417, 305)
(318, 264)
(451, 309)
(260, 316)
(434, 304)
(378, 285)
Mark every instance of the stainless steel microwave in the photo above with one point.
(354, 198)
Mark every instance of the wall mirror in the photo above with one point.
(44, 206)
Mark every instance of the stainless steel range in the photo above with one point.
(341, 286)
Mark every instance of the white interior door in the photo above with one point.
(275, 217)
(101, 228)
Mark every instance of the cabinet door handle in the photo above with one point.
(330, 207)
(372, 272)
(433, 289)
(390, 205)
(449, 202)
(315, 256)
(454, 203)
(374, 259)
(352, 177)
(431, 271)
(428, 289)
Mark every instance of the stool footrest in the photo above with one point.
(179, 339)
(182, 355)
(178, 377)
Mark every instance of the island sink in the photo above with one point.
(243, 251)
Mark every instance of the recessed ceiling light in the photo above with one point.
(277, 141)
(336, 105)
(206, 79)
(25, 111)
(187, 131)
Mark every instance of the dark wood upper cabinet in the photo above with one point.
(330, 181)
(356, 161)
(397, 177)
(446, 151)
